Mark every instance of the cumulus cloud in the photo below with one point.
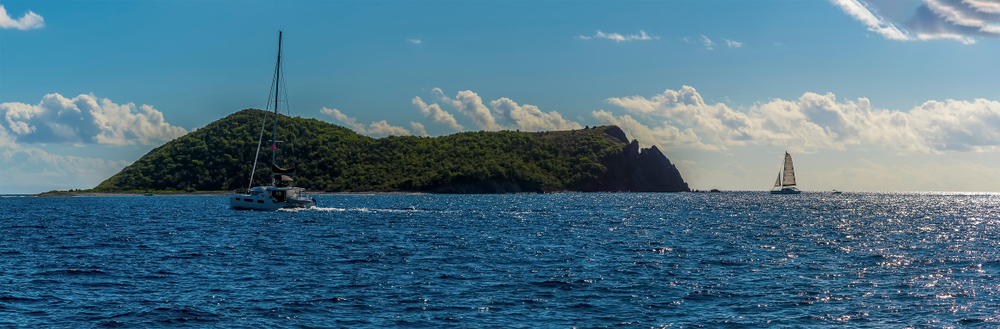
(470, 104)
(30, 20)
(418, 128)
(732, 44)
(530, 118)
(960, 20)
(813, 122)
(85, 119)
(32, 170)
(663, 135)
(642, 36)
(521, 117)
(414, 41)
(381, 128)
(436, 114)
(350, 122)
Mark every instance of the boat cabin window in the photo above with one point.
(279, 196)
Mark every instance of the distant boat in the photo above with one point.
(785, 184)
(280, 194)
(836, 192)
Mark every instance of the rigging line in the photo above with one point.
(249, 186)
(273, 91)
(284, 87)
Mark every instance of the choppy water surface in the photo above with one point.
(585, 260)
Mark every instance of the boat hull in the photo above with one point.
(787, 190)
(270, 198)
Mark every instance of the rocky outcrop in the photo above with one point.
(637, 170)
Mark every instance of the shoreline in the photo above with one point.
(207, 193)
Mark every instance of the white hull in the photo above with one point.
(271, 198)
(786, 190)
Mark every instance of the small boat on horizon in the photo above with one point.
(785, 184)
(280, 194)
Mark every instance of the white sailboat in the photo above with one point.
(785, 184)
(281, 193)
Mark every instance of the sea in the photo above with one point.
(570, 260)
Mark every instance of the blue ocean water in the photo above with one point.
(741, 260)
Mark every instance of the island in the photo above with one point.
(331, 158)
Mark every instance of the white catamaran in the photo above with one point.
(280, 194)
(785, 184)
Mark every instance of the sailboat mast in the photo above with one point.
(277, 92)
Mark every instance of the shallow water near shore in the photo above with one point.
(739, 259)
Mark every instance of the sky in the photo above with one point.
(889, 95)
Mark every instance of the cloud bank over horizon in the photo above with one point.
(85, 119)
(809, 123)
(82, 120)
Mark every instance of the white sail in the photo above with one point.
(789, 174)
(777, 181)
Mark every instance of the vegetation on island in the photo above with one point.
(332, 158)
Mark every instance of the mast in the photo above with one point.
(277, 92)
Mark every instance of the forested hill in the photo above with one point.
(332, 158)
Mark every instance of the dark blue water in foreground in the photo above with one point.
(564, 260)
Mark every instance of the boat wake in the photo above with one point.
(364, 210)
(326, 209)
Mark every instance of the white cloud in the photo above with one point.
(642, 36)
(521, 117)
(530, 118)
(350, 122)
(665, 135)
(381, 128)
(732, 44)
(985, 6)
(470, 104)
(436, 114)
(414, 41)
(705, 41)
(960, 20)
(418, 129)
(817, 121)
(876, 24)
(32, 170)
(30, 20)
(86, 119)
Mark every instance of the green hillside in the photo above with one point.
(333, 158)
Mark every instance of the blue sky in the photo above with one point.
(877, 95)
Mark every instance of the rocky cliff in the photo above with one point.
(636, 170)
